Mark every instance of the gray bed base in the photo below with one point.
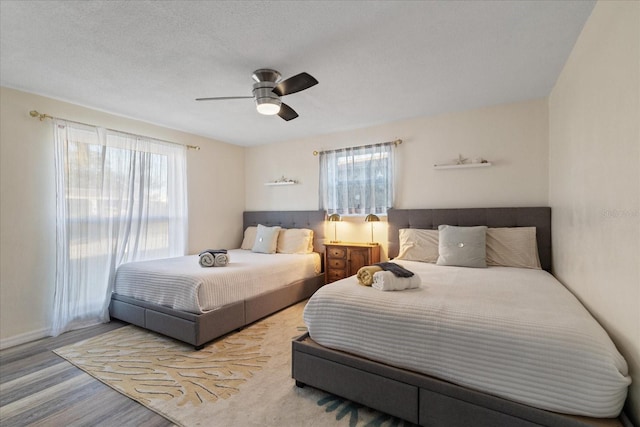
(418, 398)
(198, 329)
(414, 397)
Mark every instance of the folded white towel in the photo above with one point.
(221, 260)
(207, 259)
(387, 281)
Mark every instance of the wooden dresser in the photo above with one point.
(345, 259)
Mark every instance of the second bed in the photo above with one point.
(179, 298)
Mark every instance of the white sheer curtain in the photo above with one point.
(119, 198)
(357, 180)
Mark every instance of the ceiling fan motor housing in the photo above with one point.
(266, 75)
(267, 102)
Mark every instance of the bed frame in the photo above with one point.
(418, 398)
(198, 329)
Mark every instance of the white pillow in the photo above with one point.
(462, 246)
(266, 239)
(513, 247)
(418, 245)
(249, 237)
(295, 241)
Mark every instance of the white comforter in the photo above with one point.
(181, 282)
(511, 332)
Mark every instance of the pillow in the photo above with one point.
(513, 247)
(295, 241)
(249, 237)
(418, 245)
(266, 239)
(462, 246)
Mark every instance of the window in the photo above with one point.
(120, 198)
(357, 180)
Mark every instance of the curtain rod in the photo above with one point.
(41, 117)
(396, 143)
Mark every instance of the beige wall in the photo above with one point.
(27, 203)
(513, 137)
(594, 176)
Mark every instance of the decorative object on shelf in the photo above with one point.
(282, 181)
(335, 218)
(371, 218)
(463, 162)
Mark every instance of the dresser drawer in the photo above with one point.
(337, 263)
(334, 275)
(337, 253)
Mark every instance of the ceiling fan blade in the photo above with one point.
(223, 97)
(287, 112)
(295, 84)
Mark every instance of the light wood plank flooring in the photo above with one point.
(39, 388)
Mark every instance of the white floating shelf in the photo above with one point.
(466, 165)
(280, 183)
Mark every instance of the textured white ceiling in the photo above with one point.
(376, 61)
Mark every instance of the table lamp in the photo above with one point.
(334, 218)
(371, 218)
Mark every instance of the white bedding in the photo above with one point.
(181, 282)
(511, 332)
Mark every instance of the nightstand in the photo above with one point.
(345, 259)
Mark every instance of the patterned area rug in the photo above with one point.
(241, 379)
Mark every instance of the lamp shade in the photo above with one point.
(334, 217)
(371, 218)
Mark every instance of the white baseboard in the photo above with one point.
(23, 338)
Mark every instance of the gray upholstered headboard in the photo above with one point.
(290, 219)
(539, 217)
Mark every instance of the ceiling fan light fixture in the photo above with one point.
(268, 106)
(267, 102)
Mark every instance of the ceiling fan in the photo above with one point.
(268, 89)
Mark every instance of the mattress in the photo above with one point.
(514, 333)
(181, 283)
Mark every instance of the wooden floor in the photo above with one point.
(39, 388)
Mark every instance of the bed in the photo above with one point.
(392, 383)
(199, 325)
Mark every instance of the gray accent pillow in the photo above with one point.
(462, 246)
(266, 239)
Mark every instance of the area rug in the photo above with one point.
(243, 379)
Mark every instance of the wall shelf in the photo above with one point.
(463, 166)
(279, 183)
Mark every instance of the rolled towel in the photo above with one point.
(221, 260)
(387, 281)
(207, 259)
(365, 274)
